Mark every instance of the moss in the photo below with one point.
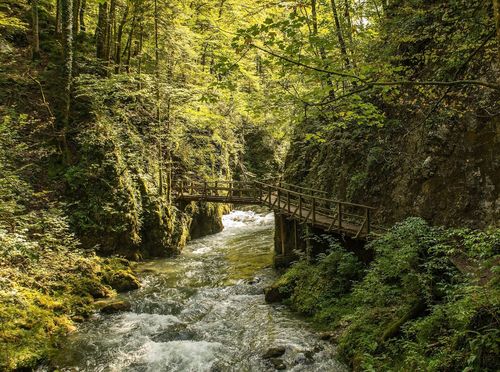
(39, 306)
(121, 280)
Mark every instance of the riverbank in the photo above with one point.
(45, 292)
(429, 300)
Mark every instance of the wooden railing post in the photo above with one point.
(314, 211)
(279, 198)
(288, 200)
(339, 206)
(192, 187)
(300, 206)
(368, 218)
(269, 195)
(216, 188)
(261, 192)
(230, 190)
(182, 188)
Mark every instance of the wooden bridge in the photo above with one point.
(305, 205)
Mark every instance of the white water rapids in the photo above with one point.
(202, 311)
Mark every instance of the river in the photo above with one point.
(203, 310)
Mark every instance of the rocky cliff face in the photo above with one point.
(205, 218)
(446, 172)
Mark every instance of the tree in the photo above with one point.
(35, 27)
(101, 31)
(67, 28)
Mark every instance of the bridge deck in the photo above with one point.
(329, 215)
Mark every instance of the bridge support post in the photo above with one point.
(285, 240)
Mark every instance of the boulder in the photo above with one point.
(112, 306)
(123, 281)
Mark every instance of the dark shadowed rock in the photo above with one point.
(273, 294)
(274, 352)
(278, 364)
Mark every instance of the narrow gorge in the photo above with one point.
(235, 185)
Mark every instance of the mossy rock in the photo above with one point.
(123, 281)
(112, 306)
(278, 291)
(117, 273)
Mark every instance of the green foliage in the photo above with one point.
(429, 300)
(316, 287)
(46, 280)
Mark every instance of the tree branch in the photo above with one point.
(356, 91)
(381, 83)
(336, 73)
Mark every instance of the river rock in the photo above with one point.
(326, 336)
(274, 352)
(254, 281)
(123, 281)
(278, 364)
(273, 294)
(112, 306)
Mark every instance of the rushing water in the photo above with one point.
(202, 311)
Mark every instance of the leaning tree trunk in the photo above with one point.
(35, 27)
(67, 23)
(321, 48)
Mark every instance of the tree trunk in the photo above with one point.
(314, 16)
(340, 37)
(101, 30)
(35, 27)
(322, 52)
(111, 32)
(58, 18)
(221, 8)
(496, 15)
(139, 62)
(119, 36)
(76, 17)
(129, 45)
(158, 108)
(67, 28)
(83, 8)
(347, 15)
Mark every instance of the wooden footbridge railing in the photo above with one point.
(305, 205)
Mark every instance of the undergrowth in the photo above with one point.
(429, 301)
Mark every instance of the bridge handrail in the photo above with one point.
(254, 191)
(316, 197)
